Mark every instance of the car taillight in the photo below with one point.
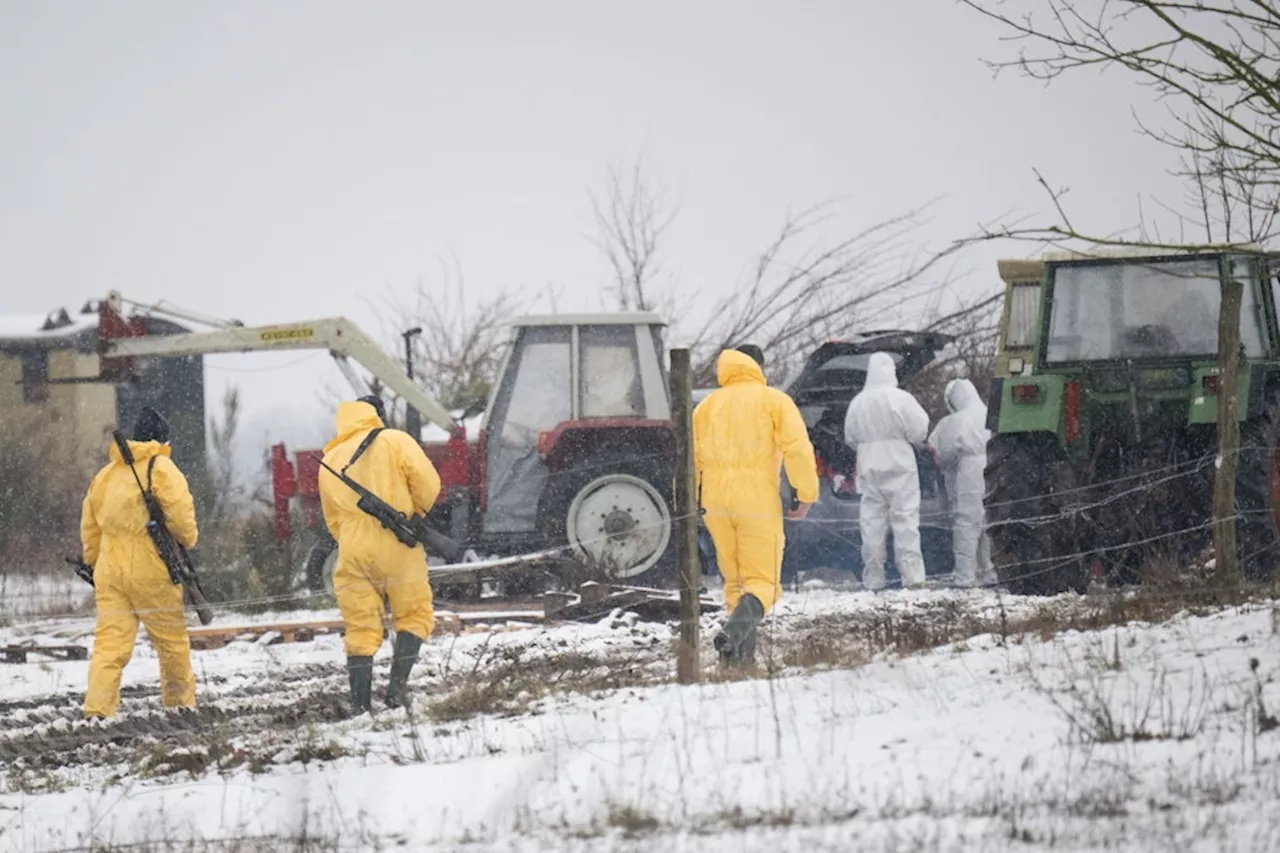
(1212, 383)
(1026, 393)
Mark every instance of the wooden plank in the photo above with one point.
(18, 654)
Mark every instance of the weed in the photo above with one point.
(511, 684)
(1096, 716)
(631, 820)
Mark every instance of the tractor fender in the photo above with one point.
(570, 441)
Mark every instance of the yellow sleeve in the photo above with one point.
(327, 482)
(792, 438)
(171, 490)
(699, 415)
(90, 532)
(424, 481)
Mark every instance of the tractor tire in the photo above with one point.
(317, 563)
(615, 512)
(1033, 543)
(1258, 496)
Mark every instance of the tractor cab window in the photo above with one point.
(609, 374)
(1139, 310)
(1024, 305)
(539, 388)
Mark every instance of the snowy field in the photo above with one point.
(906, 722)
(34, 595)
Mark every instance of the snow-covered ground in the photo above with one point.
(1141, 737)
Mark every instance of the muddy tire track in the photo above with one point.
(54, 735)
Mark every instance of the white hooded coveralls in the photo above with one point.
(960, 442)
(884, 424)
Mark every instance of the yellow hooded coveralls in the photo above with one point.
(371, 561)
(130, 581)
(739, 433)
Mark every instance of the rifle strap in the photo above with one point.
(364, 445)
(151, 466)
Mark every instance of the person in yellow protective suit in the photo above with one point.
(372, 562)
(130, 581)
(743, 433)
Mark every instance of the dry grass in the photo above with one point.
(511, 682)
(221, 755)
(633, 822)
(852, 639)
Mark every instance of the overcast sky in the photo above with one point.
(290, 160)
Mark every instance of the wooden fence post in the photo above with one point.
(686, 521)
(1226, 559)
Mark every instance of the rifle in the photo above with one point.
(173, 555)
(83, 570)
(410, 530)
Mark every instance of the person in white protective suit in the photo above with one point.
(885, 424)
(960, 442)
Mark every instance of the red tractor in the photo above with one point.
(573, 451)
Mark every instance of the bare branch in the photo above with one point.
(631, 219)
(1215, 68)
(459, 352)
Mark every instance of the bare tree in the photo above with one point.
(631, 217)
(803, 290)
(459, 352)
(800, 291)
(224, 495)
(971, 355)
(1215, 66)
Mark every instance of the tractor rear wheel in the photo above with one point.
(1033, 544)
(318, 560)
(614, 511)
(1258, 495)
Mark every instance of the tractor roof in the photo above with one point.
(1029, 270)
(616, 318)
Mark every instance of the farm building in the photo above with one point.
(50, 388)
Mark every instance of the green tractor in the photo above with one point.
(1103, 416)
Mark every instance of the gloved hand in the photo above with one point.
(470, 556)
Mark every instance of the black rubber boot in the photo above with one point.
(404, 657)
(360, 674)
(736, 641)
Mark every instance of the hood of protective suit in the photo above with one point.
(353, 417)
(961, 395)
(881, 371)
(141, 450)
(734, 366)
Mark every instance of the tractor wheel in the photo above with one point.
(1032, 545)
(1258, 495)
(615, 513)
(318, 562)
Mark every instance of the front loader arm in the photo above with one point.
(343, 338)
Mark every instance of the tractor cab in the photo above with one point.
(576, 446)
(1016, 341)
(1137, 334)
(1109, 429)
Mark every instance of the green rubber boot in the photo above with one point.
(404, 657)
(736, 641)
(360, 675)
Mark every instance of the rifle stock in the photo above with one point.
(83, 570)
